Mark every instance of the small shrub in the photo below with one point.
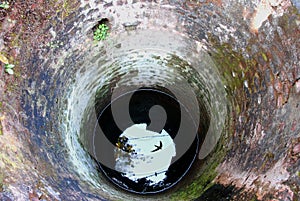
(4, 5)
(9, 68)
(101, 32)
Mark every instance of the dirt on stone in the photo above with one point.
(23, 24)
(26, 31)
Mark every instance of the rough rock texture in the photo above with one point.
(254, 44)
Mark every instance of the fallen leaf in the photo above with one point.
(3, 59)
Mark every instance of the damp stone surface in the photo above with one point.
(236, 62)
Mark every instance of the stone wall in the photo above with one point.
(250, 86)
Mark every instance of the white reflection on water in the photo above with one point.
(149, 155)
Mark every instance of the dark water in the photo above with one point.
(140, 104)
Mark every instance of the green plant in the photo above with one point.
(9, 68)
(4, 5)
(101, 32)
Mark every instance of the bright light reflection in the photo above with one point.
(142, 153)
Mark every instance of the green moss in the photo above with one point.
(12, 86)
(7, 161)
(189, 73)
(195, 189)
(229, 62)
(269, 155)
(288, 21)
(15, 39)
(268, 158)
(237, 109)
(254, 199)
(235, 70)
(1, 180)
(65, 8)
(204, 181)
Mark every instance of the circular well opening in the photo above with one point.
(139, 154)
(139, 72)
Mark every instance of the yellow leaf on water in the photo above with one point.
(3, 59)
